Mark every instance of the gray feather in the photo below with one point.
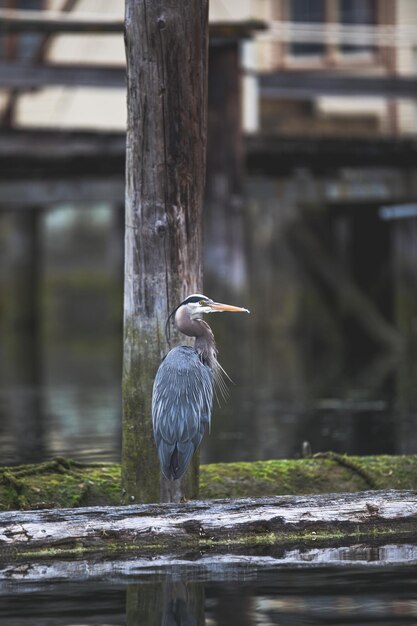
(181, 407)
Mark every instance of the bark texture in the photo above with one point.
(166, 50)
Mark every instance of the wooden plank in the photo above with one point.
(26, 153)
(280, 154)
(336, 34)
(56, 166)
(59, 144)
(54, 154)
(14, 195)
(60, 166)
(289, 84)
(56, 22)
(18, 76)
(303, 85)
(15, 21)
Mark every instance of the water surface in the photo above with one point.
(347, 585)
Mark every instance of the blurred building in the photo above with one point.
(351, 37)
(347, 37)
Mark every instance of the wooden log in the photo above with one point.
(217, 524)
(166, 51)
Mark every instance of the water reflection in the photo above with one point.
(247, 566)
(305, 364)
(227, 594)
(166, 604)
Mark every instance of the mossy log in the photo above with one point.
(215, 525)
(62, 483)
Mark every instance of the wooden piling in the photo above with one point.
(224, 260)
(166, 50)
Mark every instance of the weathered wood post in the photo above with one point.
(224, 260)
(166, 49)
(25, 356)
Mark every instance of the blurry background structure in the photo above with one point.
(311, 222)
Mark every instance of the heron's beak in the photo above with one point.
(218, 306)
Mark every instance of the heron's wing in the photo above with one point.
(181, 407)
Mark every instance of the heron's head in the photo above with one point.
(193, 308)
(197, 304)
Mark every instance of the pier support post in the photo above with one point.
(166, 49)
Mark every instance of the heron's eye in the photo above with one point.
(202, 303)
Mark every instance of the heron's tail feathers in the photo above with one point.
(175, 458)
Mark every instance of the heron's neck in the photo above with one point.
(205, 344)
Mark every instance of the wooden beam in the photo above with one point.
(288, 84)
(20, 76)
(15, 21)
(57, 22)
(66, 153)
(280, 154)
(302, 85)
(355, 302)
(232, 31)
(16, 195)
(48, 155)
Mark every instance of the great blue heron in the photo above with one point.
(183, 389)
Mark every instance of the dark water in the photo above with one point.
(77, 412)
(350, 585)
(302, 371)
(303, 368)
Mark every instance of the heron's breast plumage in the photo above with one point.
(181, 401)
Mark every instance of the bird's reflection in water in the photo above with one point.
(183, 604)
(171, 603)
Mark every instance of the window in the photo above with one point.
(319, 12)
(307, 11)
(357, 12)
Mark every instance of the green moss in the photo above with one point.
(396, 472)
(279, 477)
(61, 483)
